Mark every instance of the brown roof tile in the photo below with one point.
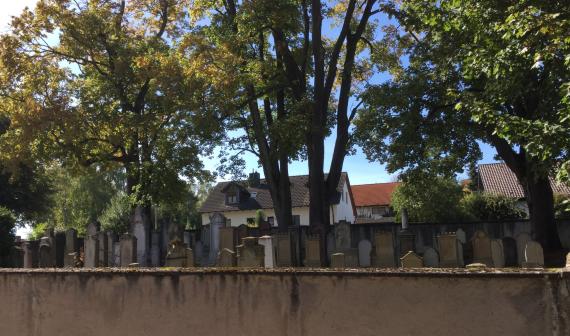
(373, 194)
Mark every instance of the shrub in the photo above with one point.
(490, 207)
(117, 215)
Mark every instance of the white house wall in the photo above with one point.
(343, 210)
(240, 217)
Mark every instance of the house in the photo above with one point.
(498, 179)
(239, 201)
(373, 202)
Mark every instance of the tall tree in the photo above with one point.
(100, 82)
(488, 70)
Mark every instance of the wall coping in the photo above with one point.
(356, 272)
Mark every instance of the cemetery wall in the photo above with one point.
(283, 302)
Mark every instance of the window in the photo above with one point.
(253, 194)
(231, 198)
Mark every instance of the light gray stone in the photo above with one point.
(128, 244)
(461, 236)
(497, 253)
(141, 230)
(431, 257)
(269, 251)
(91, 252)
(522, 238)
(534, 255)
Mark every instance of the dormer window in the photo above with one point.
(232, 198)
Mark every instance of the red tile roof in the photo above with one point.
(497, 178)
(373, 194)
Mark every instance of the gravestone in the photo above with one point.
(217, 221)
(407, 242)
(312, 252)
(384, 249)
(364, 250)
(16, 257)
(411, 260)
(199, 253)
(461, 236)
(227, 238)
(449, 254)
(331, 248)
(241, 232)
(155, 249)
(141, 229)
(46, 252)
(177, 255)
(534, 255)
(91, 254)
(117, 254)
(103, 254)
(59, 249)
(112, 241)
(337, 260)
(128, 245)
(226, 258)
(342, 236)
(269, 251)
(188, 239)
(482, 248)
(522, 239)
(568, 260)
(431, 257)
(250, 253)
(497, 253)
(190, 257)
(31, 251)
(71, 247)
(510, 252)
(284, 255)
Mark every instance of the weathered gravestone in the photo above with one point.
(407, 242)
(91, 246)
(342, 236)
(497, 253)
(337, 260)
(250, 253)
(112, 241)
(331, 248)
(364, 250)
(312, 252)
(482, 248)
(47, 250)
(449, 254)
(384, 249)
(411, 260)
(141, 230)
(269, 251)
(155, 248)
(103, 244)
(431, 257)
(31, 251)
(117, 254)
(178, 255)
(522, 239)
(461, 236)
(510, 251)
(534, 255)
(71, 247)
(226, 258)
(227, 238)
(199, 253)
(128, 244)
(217, 221)
(284, 254)
(16, 257)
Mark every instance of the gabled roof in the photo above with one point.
(373, 194)
(498, 179)
(216, 201)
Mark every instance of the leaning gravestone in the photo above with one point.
(71, 247)
(384, 256)
(534, 255)
(482, 248)
(510, 251)
(364, 250)
(128, 245)
(337, 260)
(449, 254)
(269, 251)
(497, 253)
(411, 260)
(141, 230)
(522, 239)
(431, 257)
(250, 253)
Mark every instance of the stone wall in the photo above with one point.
(284, 302)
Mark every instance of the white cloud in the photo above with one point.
(9, 8)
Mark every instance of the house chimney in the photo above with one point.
(254, 179)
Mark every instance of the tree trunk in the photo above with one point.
(540, 200)
(318, 207)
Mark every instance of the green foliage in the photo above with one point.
(7, 231)
(117, 215)
(429, 199)
(562, 206)
(489, 207)
(39, 230)
(259, 217)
